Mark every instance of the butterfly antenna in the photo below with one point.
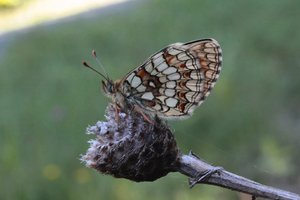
(88, 66)
(99, 63)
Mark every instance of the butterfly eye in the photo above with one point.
(105, 87)
(108, 87)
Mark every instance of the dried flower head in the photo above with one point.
(128, 146)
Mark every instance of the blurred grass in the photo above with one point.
(249, 124)
(4, 4)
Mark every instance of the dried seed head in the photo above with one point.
(128, 146)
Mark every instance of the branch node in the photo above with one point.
(201, 177)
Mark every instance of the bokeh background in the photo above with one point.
(250, 124)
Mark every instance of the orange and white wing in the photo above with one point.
(177, 79)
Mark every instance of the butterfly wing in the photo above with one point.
(177, 79)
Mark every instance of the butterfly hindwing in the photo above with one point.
(177, 79)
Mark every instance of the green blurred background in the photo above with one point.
(250, 124)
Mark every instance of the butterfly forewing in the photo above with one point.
(177, 79)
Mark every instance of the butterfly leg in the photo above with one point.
(139, 110)
(117, 112)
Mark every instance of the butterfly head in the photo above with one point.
(109, 87)
(112, 90)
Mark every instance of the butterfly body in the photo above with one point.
(172, 82)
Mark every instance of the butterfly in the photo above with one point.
(172, 83)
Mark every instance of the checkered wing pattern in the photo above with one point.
(177, 79)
